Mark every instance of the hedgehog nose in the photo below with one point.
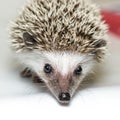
(64, 97)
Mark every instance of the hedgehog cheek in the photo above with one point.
(29, 40)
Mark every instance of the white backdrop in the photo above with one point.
(20, 99)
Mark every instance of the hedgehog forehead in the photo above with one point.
(65, 62)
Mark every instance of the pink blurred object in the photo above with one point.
(113, 21)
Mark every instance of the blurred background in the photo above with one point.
(101, 96)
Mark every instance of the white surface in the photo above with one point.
(20, 99)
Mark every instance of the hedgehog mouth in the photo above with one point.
(64, 102)
(64, 98)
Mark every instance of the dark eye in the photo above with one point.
(78, 70)
(47, 68)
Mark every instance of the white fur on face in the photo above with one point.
(66, 62)
(62, 79)
(63, 62)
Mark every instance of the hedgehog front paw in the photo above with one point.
(26, 73)
(36, 78)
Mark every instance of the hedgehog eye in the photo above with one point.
(78, 70)
(47, 68)
(28, 39)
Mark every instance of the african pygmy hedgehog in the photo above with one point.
(60, 41)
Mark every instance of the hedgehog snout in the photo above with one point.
(60, 88)
(64, 96)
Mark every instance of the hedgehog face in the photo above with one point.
(62, 72)
(60, 40)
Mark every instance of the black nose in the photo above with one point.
(64, 96)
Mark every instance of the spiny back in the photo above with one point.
(73, 25)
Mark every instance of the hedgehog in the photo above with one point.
(59, 42)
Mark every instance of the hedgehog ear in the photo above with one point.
(28, 39)
(100, 43)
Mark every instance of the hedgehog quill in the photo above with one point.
(59, 42)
